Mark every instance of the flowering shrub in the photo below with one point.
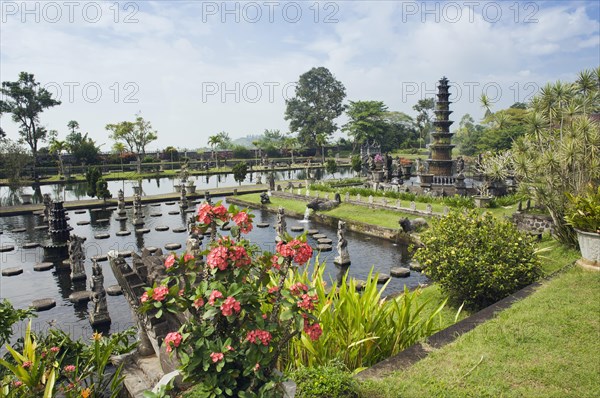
(240, 314)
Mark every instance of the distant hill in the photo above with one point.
(246, 141)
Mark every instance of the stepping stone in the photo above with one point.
(173, 212)
(111, 208)
(297, 229)
(123, 233)
(121, 218)
(12, 271)
(179, 230)
(224, 227)
(96, 210)
(43, 304)
(151, 249)
(324, 248)
(39, 213)
(381, 279)
(313, 231)
(208, 231)
(80, 211)
(416, 266)
(155, 214)
(128, 207)
(400, 272)
(100, 257)
(138, 223)
(262, 225)
(190, 211)
(18, 230)
(39, 267)
(169, 203)
(142, 230)
(325, 241)
(30, 245)
(319, 236)
(173, 246)
(83, 222)
(6, 248)
(161, 228)
(102, 236)
(114, 290)
(40, 227)
(80, 297)
(360, 284)
(102, 220)
(126, 253)
(155, 204)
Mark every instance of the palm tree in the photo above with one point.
(57, 147)
(214, 141)
(291, 144)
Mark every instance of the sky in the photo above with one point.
(195, 68)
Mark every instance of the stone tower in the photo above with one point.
(440, 163)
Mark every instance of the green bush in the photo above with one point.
(331, 381)
(583, 212)
(477, 259)
(241, 152)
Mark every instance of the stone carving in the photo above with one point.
(358, 197)
(409, 226)
(347, 197)
(258, 179)
(370, 199)
(58, 229)
(398, 203)
(207, 198)
(47, 203)
(192, 246)
(100, 315)
(281, 226)
(413, 206)
(183, 201)
(429, 208)
(343, 257)
(265, 198)
(137, 210)
(324, 204)
(271, 179)
(76, 257)
(120, 202)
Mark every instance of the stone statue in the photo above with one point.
(120, 202)
(460, 165)
(281, 226)
(258, 179)
(343, 257)
(100, 314)
(264, 198)
(371, 162)
(137, 210)
(183, 201)
(271, 179)
(47, 200)
(184, 173)
(192, 246)
(76, 257)
(207, 198)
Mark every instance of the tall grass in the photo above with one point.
(360, 328)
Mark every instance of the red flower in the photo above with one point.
(300, 251)
(170, 261)
(229, 348)
(144, 297)
(217, 258)
(216, 356)
(213, 296)
(275, 262)
(173, 339)
(69, 368)
(207, 213)
(17, 383)
(239, 256)
(313, 331)
(243, 221)
(273, 289)
(307, 302)
(229, 306)
(27, 365)
(260, 336)
(256, 367)
(187, 257)
(55, 349)
(160, 293)
(199, 302)
(298, 288)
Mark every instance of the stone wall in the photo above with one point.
(534, 223)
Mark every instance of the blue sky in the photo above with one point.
(195, 68)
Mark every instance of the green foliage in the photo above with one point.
(477, 259)
(136, 135)
(316, 105)
(331, 166)
(424, 107)
(359, 328)
(329, 381)
(13, 159)
(365, 121)
(102, 191)
(241, 152)
(92, 176)
(583, 212)
(506, 200)
(8, 317)
(82, 147)
(356, 163)
(239, 171)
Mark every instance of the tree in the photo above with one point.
(171, 153)
(83, 148)
(366, 122)
(224, 140)
(291, 145)
(214, 141)
(57, 147)
(92, 176)
(73, 125)
(102, 191)
(13, 159)
(399, 132)
(136, 135)
(560, 153)
(468, 135)
(239, 171)
(317, 103)
(424, 107)
(331, 166)
(25, 100)
(356, 163)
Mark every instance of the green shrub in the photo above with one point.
(330, 381)
(9, 315)
(241, 152)
(507, 200)
(477, 259)
(356, 163)
(583, 212)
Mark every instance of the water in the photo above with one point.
(155, 186)
(306, 218)
(21, 290)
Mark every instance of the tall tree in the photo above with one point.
(13, 159)
(366, 121)
(224, 140)
(25, 100)
(424, 107)
(73, 125)
(57, 147)
(316, 105)
(136, 135)
(82, 147)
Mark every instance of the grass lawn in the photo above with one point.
(546, 345)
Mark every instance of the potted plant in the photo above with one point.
(583, 215)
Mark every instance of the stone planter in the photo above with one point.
(589, 245)
(407, 170)
(26, 198)
(482, 201)
(191, 188)
(177, 188)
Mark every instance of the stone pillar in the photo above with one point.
(343, 257)
(76, 258)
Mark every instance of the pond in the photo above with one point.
(21, 290)
(154, 186)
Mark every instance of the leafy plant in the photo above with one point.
(356, 164)
(8, 317)
(477, 259)
(239, 171)
(331, 166)
(328, 381)
(583, 212)
(360, 328)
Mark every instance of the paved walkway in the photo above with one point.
(165, 197)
